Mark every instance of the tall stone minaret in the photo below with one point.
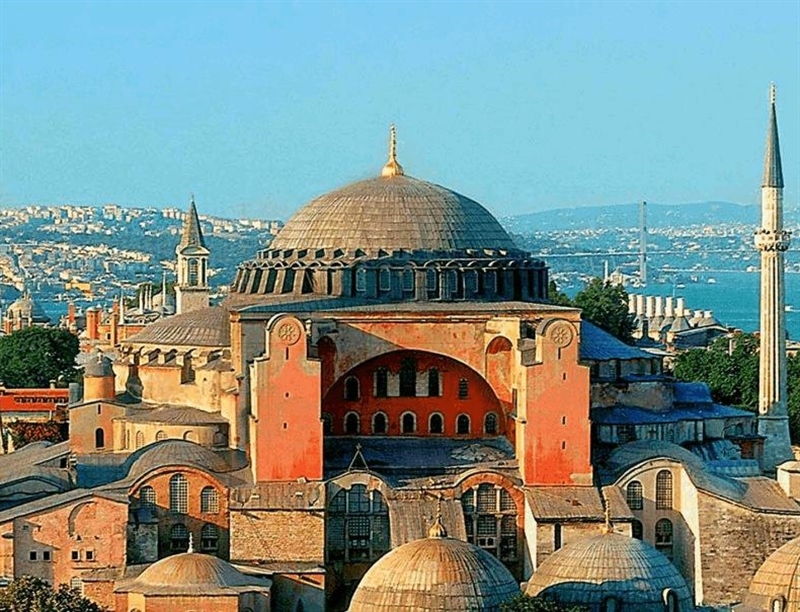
(191, 290)
(772, 240)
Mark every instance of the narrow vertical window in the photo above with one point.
(352, 389)
(352, 423)
(99, 438)
(178, 494)
(634, 495)
(462, 424)
(408, 377)
(433, 382)
(209, 500)
(490, 424)
(409, 423)
(379, 424)
(664, 537)
(381, 382)
(463, 388)
(436, 424)
(664, 490)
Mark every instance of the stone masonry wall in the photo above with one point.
(734, 542)
(277, 535)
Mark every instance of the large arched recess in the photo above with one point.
(461, 391)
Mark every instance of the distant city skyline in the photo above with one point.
(258, 107)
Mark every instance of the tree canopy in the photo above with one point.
(526, 603)
(730, 367)
(603, 303)
(30, 594)
(34, 356)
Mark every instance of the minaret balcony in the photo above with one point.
(770, 240)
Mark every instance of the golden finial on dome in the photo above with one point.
(392, 168)
(437, 530)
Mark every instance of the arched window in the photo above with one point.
(179, 538)
(194, 273)
(352, 390)
(463, 388)
(431, 281)
(147, 497)
(327, 424)
(381, 382)
(433, 382)
(379, 423)
(358, 525)
(778, 605)
(160, 435)
(220, 439)
(139, 439)
(490, 516)
(384, 279)
(408, 377)
(490, 424)
(361, 279)
(209, 500)
(610, 604)
(178, 494)
(664, 490)
(352, 423)
(436, 424)
(634, 495)
(99, 438)
(462, 424)
(637, 530)
(408, 279)
(209, 537)
(670, 601)
(409, 423)
(189, 436)
(664, 537)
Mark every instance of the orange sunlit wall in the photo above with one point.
(455, 391)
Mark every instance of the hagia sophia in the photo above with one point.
(387, 413)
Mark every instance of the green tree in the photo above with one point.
(730, 367)
(34, 356)
(556, 296)
(30, 594)
(606, 305)
(526, 603)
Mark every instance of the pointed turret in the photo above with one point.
(191, 289)
(773, 241)
(773, 172)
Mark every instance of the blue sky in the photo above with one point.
(258, 107)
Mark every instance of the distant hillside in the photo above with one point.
(627, 215)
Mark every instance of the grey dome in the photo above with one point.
(588, 571)
(435, 573)
(393, 213)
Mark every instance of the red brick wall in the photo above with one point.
(480, 400)
(194, 519)
(554, 438)
(288, 430)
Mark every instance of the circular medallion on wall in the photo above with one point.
(288, 333)
(561, 334)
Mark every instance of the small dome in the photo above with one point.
(435, 573)
(393, 212)
(778, 579)
(98, 365)
(204, 327)
(191, 573)
(588, 571)
(175, 453)
(26, 307)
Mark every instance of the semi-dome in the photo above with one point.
(393, 212)
(191, 573)
(26, 307)
(592, 570)
(776, 585)
(435, 573)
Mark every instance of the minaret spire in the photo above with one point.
(191, 289)
(773, 171)
(392, 167)
(773, 241)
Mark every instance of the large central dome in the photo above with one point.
(393, 212)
